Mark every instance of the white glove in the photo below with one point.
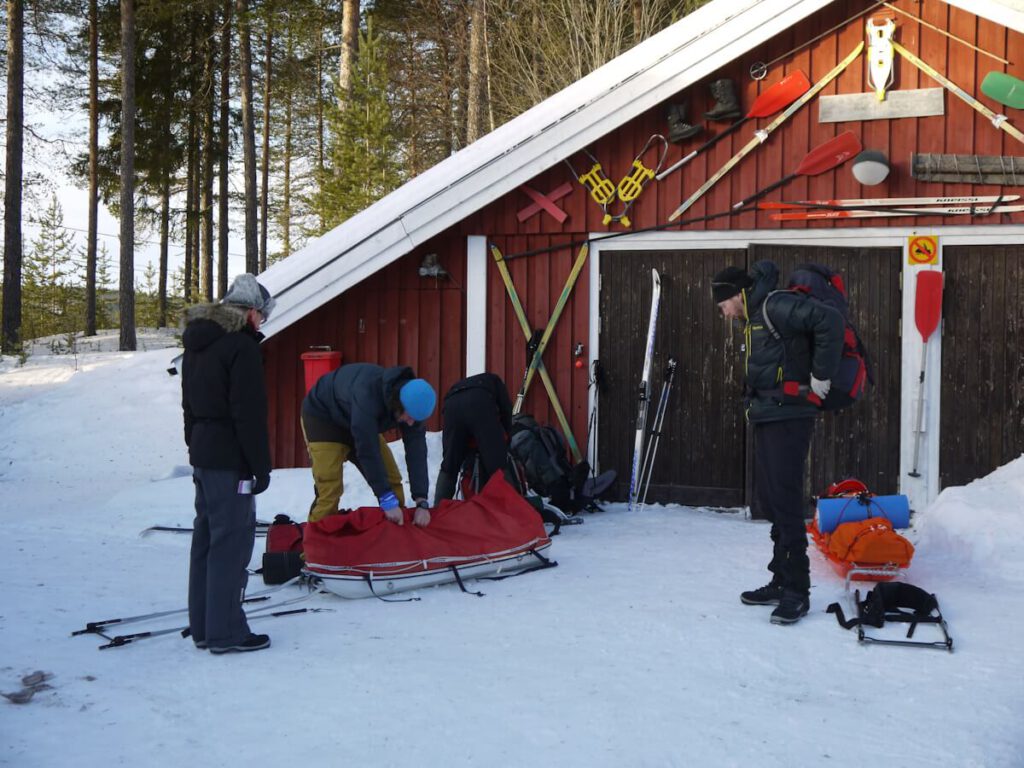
(820, 388)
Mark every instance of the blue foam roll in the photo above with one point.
(832, 512)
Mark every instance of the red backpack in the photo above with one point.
(827, 286)
(283, 559)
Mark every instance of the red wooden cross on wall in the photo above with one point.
(545, 202)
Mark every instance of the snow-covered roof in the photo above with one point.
(514, 153)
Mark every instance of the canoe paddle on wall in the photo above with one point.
(1006, 89)
(824, 157)
(781, 95)
(927, 311)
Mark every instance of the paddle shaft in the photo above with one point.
(999, 121)
(706, 145)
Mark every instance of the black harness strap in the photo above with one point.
(458, 580)
(369, 583)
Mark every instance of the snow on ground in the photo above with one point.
(635, 651)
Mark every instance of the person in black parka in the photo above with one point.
(343, 418)
(477, 416)
(788, 374)
(224, 402)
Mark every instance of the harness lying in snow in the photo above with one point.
(896, 602)
(360, 554)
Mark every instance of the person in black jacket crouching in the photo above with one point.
(476, 409)
(224, 401)
(793, 349)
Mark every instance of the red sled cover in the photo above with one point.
(494, 523)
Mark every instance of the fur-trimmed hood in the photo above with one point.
(203, 324)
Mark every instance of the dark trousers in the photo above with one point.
(222, 541)
(780, 457)
(470, 415)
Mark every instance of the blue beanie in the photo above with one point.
(418, 398)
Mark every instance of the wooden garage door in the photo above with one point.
(703, 454)
(982, 411)
(700, 458)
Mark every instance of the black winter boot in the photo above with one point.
(769, 594)
(678, 128)
(792, 607)
(726, 106)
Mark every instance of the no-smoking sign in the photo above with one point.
(923, 249)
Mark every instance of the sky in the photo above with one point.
(634, 651)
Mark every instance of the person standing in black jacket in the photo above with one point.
(793, 347)
(343, 416)
(476, 409)
(224, 402)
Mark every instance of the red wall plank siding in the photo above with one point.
(397, 317)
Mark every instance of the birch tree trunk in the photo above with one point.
(349, 42)
(476, 123)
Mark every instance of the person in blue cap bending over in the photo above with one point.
(343, 416)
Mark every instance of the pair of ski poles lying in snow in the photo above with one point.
(267, 611)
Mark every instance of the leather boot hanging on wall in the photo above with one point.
(678, 128)
(726, 106)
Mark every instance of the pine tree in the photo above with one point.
(49, 300)
(364, 150)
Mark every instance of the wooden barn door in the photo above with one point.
(864, 440)
(703, 454)
(700, 458)
(982, 412)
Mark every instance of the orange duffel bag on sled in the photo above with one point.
(872, 541)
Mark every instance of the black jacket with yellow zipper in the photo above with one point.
(807, 339)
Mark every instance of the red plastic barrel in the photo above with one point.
(316, 364)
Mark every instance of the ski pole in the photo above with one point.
(659, 419)
(257, 613)
(261, 529)
(119, 640)
(927, 311)
(95, 627)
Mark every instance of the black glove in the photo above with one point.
(260, 484)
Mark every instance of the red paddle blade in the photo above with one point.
(781, 95)
(829, 155)
(928, 306)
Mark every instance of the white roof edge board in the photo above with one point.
(1008, 13)
(527, 145)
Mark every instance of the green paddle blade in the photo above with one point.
(1006, 89)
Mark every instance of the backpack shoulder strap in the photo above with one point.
(764, 313)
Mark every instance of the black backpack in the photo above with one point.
(827, 286)
(542, 453)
